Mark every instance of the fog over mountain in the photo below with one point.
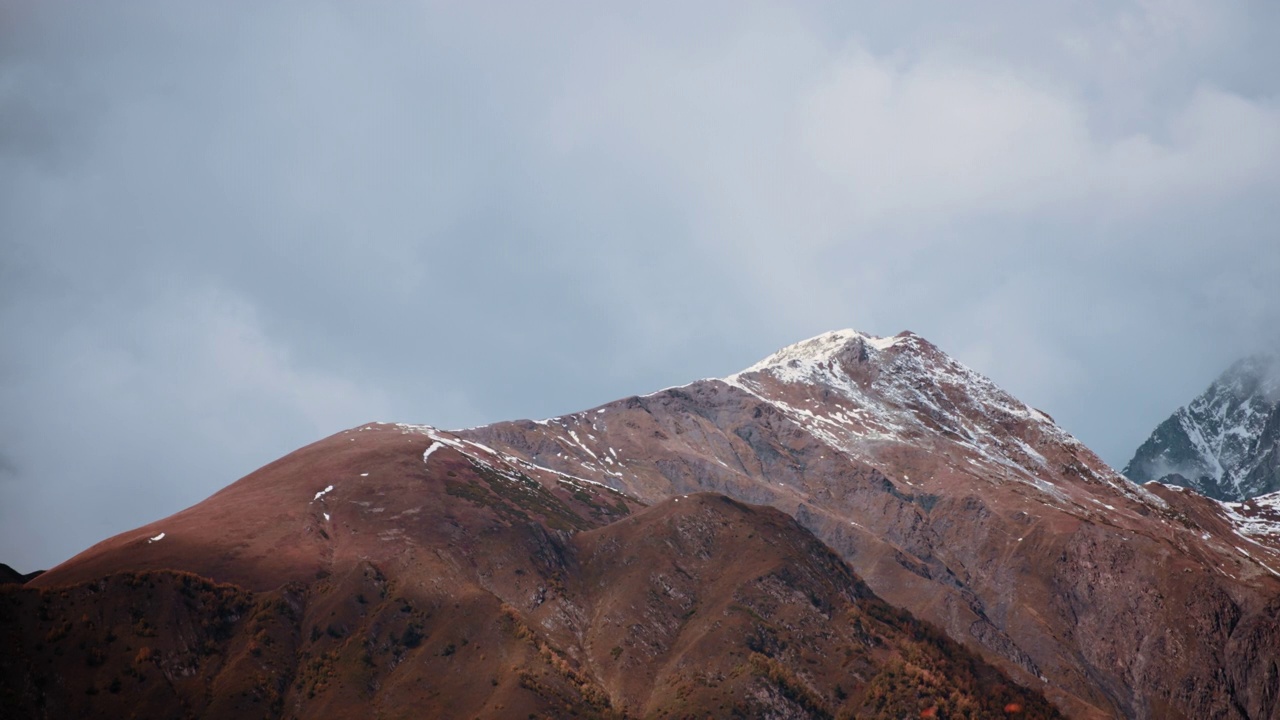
(228, 230)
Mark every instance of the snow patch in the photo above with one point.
(917, 393)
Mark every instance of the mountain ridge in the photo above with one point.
(946, 495)
(445, 582)
(920, 472)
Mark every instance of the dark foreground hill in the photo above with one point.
(9, 575)
(387, 573)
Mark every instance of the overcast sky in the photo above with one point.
(229, 229)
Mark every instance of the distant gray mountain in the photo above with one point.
(1226, 443)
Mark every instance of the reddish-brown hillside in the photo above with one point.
(959, 502)
(397, 572)
(364, 493)
(945, 494)
(394, 571)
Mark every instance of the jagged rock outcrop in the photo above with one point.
(1225, 443)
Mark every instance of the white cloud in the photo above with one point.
(531, 210)
(1011, 211)
(937, 137)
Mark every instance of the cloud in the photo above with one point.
(228, 232)
(995, 206)
(868, 143)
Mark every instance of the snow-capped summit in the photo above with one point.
(857, 392)
(824, 348)
(903, 371)
(1225, 443)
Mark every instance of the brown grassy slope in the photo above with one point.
(473, 606)
(387, 505)
(706, 606)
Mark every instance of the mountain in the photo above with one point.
(959, 502)
(396, 571)
(944, 494)
(1226, 443)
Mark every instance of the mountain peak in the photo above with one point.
(904, 370)
(861, 394)
(794, 360)
(1225, 443)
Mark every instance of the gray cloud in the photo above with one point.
(227, 233)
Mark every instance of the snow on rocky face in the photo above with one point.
(1257, 519)
(858, 392)
(1225, 443)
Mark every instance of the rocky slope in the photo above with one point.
(397, 571)
(946, 495)
(1225, 443)
(959, 502)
